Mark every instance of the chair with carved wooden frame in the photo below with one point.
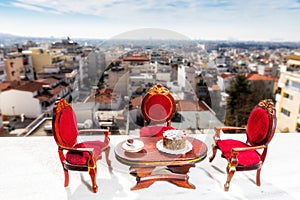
(158, 107)
(74, 155)
(249, 155)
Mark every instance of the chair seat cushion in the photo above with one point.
(80, 158)
(245, 158)
(154, 131)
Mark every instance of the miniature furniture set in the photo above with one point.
(147, 158)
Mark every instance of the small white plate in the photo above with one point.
(160, 147)
(136, 146)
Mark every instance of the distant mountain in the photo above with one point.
(7, 39)
(7, 35)
(11, 39)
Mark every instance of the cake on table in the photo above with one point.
(174, 139)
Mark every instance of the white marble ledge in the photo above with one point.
(30, 169)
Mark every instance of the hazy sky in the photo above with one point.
(196, 19)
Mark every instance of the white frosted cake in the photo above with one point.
(174, 139)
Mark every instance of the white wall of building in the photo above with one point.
(163, 77)
(287, 102)
(15, 102)
(181, 76)
(224, 83)
(2, 67)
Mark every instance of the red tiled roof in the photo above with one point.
(105, 91)
(4, 85)
(44, 97)
(136, 101)
(215, 87)
(136, 58)
(49, 94)
(185, 105)
(202, 106)
(31, 86)
(57, 89)
(226, 75)
(105, 95)
(48, 81)
(258, 77)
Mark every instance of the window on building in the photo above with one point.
(287, 82)
(298, 127)
(285, 112)
(288, 96)
(295, 85)
(278, 91)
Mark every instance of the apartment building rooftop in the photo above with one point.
(259, 77)
(136, 58)
(293, 57)
(31, 170)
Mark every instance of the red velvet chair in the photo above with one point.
(249, 155)
(158, 107)
(74, 155)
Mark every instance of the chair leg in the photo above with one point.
(66, 172)
(108, 161)
(93, 174)
(230, 173)
(258, 177)
(214, 151)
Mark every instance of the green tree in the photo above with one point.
(239, 102)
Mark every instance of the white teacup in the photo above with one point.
(129, 142)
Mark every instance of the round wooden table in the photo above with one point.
(150, 164)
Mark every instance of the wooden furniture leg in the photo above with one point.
(146, 176)
(139, 173)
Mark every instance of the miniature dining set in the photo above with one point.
(161, 152)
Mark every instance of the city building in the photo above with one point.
(224, 81)
(293, 62)
(107, 99)
(2, 67)
(95, 65)
(13, 66)
(31, 98)
(69, 45)
(266, 85)
(288, 102)
(47, 61)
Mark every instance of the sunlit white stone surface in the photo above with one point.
(30, 169)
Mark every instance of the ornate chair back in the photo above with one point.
(158, 105)
(64, 124)
(261, 123)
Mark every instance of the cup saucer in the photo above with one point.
(136, 146)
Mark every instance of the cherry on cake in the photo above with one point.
(174, 139)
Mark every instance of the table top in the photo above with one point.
(151, 156)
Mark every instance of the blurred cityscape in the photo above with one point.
(105, 80)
